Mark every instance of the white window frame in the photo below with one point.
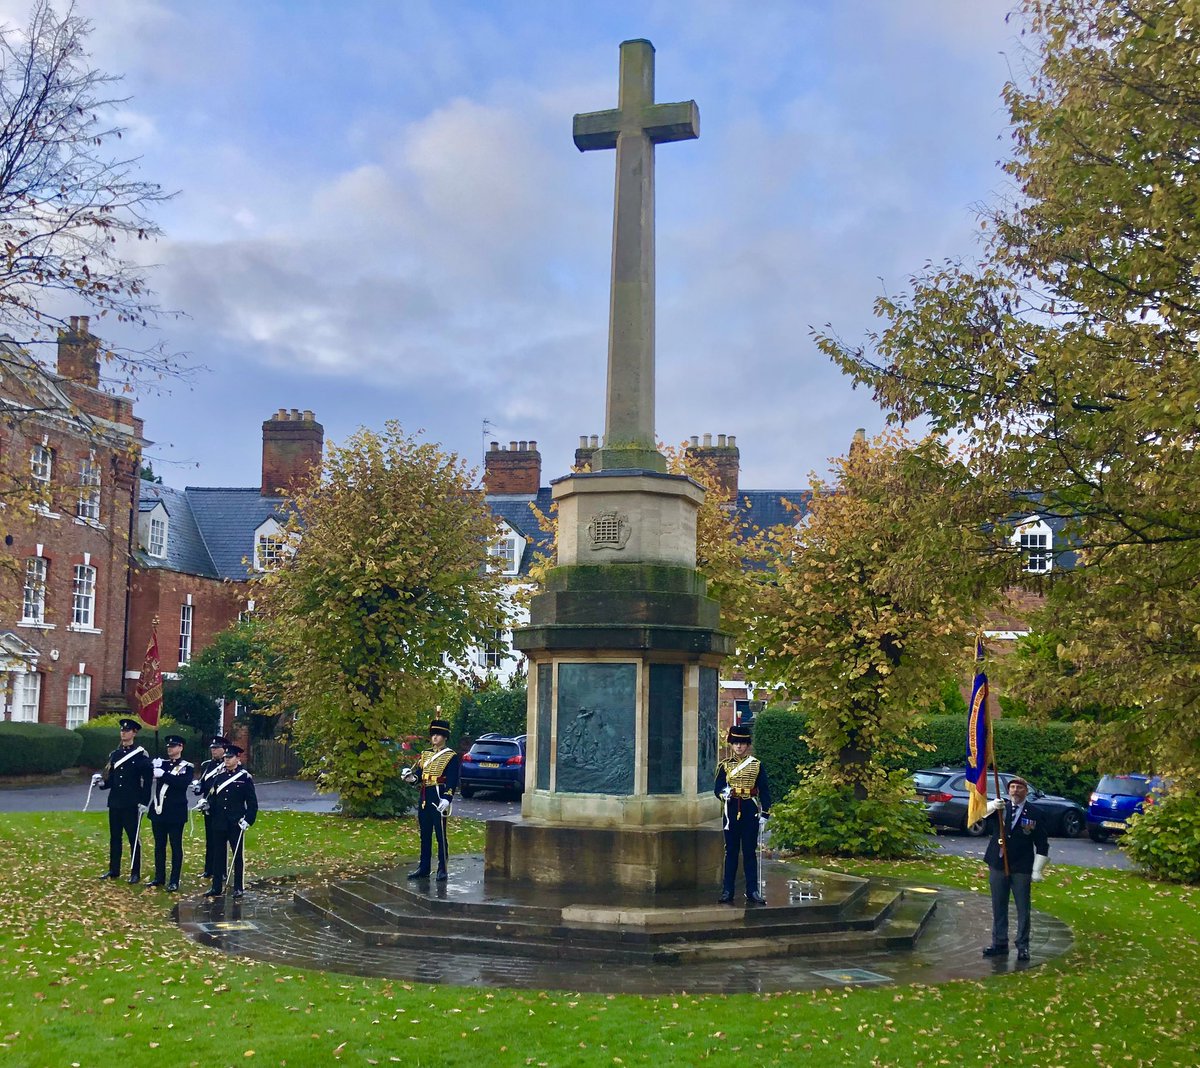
(83, 597)
(1035, 540)
(27, 697)
(88, 508)
(79, 700)
(272, 546)
(33, 595)
(493, 653)
(41, 464)
(185, 633)
(156, 546)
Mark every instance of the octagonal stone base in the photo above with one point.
(634, 858)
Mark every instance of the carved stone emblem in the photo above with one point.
(609, 530)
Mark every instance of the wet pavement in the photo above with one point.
(271, 925)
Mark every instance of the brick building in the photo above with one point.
(196, 550)
(62, 614)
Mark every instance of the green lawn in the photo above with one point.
(95, 974)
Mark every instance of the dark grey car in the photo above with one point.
(944, 791)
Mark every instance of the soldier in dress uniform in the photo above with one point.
(232, 808)
(742, 786)
(169, 810)
(126, 777)
(209, 770)
(437, 772)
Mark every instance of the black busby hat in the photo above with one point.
(130, 725)
(738, 734)
(174, 739)
(439, 726)
(219, 741)
(233, 750)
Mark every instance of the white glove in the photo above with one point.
(158, 771)
(443, 806)
(1039, 863)
(157, 762)
(243, 824)
(97, 779)
(762, 819)
(995, 805)
(727, 793)
(408, 775)
(143, 809)
(203, 806)
(196, 787)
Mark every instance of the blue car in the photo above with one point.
(1115, 799)
(494, 762)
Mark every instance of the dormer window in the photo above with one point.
(506, 551)
(1035, 539)
(156, 542)
(272, 546)
(154, 528)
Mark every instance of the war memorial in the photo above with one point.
(608, 880)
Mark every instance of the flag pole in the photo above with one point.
(991, 758)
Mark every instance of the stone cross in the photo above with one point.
(633, 129)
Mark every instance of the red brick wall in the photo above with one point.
(67, 541)
(292, 444)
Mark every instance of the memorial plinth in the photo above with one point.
(623, 642)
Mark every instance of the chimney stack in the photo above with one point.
(722, 460)
(79, 353)
(583, 455)
(292, 446)
(515, 470)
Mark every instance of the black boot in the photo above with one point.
(725, 898)
(172, 888)
(216, 891)
(996, 951)
(753, 897)
(111, 875)
(418, 874)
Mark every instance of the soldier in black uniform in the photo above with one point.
(126, 777)
(232, 808)
(742, 785)
(209, 770)
(169, 809)
(437, 772)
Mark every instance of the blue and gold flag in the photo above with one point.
(979, 741)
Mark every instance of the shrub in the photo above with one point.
(821, 817)
(191, 708)
(36, 748)
(1164, 838)
(779, 744)
(396, 798)
(499, 710)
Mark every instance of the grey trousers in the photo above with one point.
(1019, 884)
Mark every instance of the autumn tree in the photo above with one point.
(1066, 359)
(869, 603)
(376, 611)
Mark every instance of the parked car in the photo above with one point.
(944, 791)
(494, 762)
(1115, 799)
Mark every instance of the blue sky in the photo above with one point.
(381, 213)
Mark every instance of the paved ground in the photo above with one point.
(71, 793)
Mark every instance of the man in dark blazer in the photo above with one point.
(232, 807)
(1023, 838)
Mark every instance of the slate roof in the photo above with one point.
(515, 510)
(211, 529)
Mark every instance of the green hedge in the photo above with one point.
(1040, 752)
(779, 744)
(498, 710)
(100, 736)
(36, 748)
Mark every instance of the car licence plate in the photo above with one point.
(488, 764)
(1115, 825)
